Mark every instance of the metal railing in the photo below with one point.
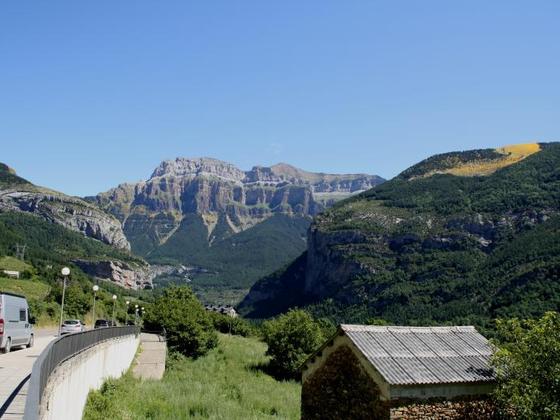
(63, 349)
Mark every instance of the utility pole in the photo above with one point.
(20, 251)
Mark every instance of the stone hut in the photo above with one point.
(383, 372)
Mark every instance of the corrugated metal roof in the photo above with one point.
(424, 355)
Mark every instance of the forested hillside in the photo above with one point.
(431, 247)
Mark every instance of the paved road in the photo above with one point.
(14, 369)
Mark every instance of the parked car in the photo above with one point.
(15, 322)
(102, 323)
(71, 326)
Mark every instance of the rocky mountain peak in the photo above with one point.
(192, 167)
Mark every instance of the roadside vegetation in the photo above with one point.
(227, 383)
(41, 284)
(189, 329)
(528, 368)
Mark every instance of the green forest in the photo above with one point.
(443, 249)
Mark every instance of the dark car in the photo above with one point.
(102, 323)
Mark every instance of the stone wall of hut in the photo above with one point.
(438, 409)
(341, 389)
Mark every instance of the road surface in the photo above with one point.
(15, 368)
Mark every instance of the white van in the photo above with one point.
(15, 328)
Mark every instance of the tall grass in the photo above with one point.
(31, 289)
(228, 383)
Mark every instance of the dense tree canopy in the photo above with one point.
(291, 338)
(528, 367)
(189, 329)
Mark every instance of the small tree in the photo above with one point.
(229, 325)
(528, 367)
(189, 328)
(291, 338)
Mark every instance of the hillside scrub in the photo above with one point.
(528, 367)
(291, 338)
(432, 250)
(224, 384)
(227, 324)
(188, 326)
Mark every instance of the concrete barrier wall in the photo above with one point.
(69, 385)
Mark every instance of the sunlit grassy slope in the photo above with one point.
(483, 164)
(225, 384)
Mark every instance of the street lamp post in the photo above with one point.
(95, 289)
(126, 316)
(135, 314)
(65, 273)
(114, 303)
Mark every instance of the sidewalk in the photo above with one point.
(151, 361)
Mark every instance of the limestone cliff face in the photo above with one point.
(16, 194)
(327, 267)
(120, 273)
(152, 210)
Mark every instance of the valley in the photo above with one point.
(229, 227)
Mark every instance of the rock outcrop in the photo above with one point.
(120, 273)
(17, 194)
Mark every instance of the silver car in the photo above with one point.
(71, 326)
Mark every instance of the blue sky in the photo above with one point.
(97, 93)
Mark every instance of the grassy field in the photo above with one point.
(31, 289)
(11, 263)
(225, 384)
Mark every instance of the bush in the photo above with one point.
(528, 367)
(189, 328)
(291, 338)
(229, 325)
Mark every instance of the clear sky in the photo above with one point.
(95, 93)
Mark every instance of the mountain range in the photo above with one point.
(196, 219)
(228, 227)
(462, 237)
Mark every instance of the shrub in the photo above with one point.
(229, 325)
(528, 367)
(291, 338)
(189, 328)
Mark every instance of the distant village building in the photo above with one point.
(12, 274)
(225, 310)
(379, 372)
